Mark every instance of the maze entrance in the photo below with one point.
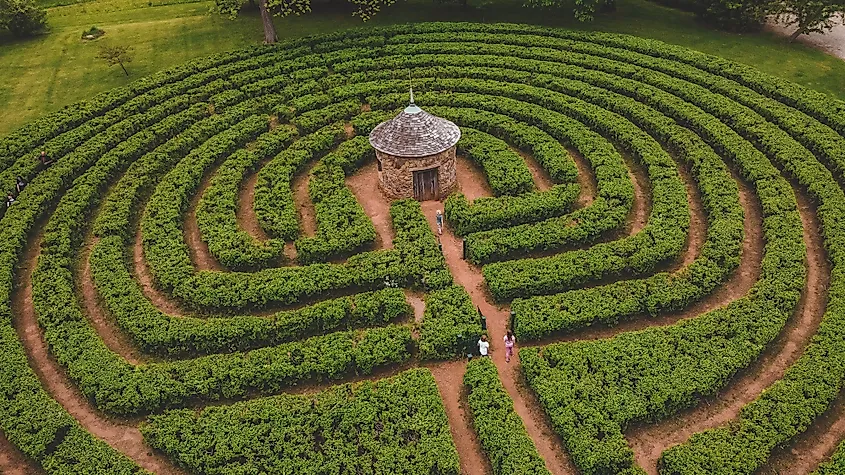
(425, 184)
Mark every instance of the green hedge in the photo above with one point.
(217, 210)
(501, 431)
(396, 425)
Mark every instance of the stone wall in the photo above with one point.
(396, 177)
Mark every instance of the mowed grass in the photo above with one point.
(43, 74)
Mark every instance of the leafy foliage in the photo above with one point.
(394, 426)
(500, 429)
(22, 17)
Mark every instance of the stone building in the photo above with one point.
(416, 154)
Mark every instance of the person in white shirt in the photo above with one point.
(483, 345)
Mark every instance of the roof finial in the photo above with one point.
(411, 84)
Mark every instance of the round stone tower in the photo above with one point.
(416, 154)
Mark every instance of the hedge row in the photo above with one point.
(217, 210)
(156, 332)
(343, 227)
(396, 425)
(608, 211)
(274, 205)
(500, 429)
(506, 172)
(732, 336)
(161, 225)
(117, 387)
(118, 208)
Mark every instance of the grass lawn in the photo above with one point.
(48, 72)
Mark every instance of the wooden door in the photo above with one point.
(425, 184)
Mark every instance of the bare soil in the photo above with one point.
(586, 179)
(450, 381)
(120, 435)
(641, 207)
(542, 180)
(200, 256)
(649, 441)
(307, 216)
(14, 462)
(472, 181)
(364, 185)
(698, 222)
(145, 278)
(94, 310)
(247, 219)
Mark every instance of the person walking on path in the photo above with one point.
(9, 200)
(439, 218)
(19, 184)
(510, 340)
(483, 346)
(45, 160)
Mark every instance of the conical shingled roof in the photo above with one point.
(414, 133)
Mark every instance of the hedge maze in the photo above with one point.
(658, 221)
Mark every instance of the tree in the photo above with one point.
(117, 54)
(584, 10)
(22, 17)
(735, 15)
(810, 16)
(282, 8)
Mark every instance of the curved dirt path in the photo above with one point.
(641, 207)
(650, 441)
(14, 462)
(299, 186)
(144, 277)
(197, 248)
(472, 181)
(364, 185)
(698, 222)
(449, 377)
(814, 446)
(586, 179)
(122, 436)
(542, 179)
(247, 219)
(96, 313)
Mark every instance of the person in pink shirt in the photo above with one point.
(509, 342)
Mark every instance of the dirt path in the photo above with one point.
(542, 179)
(364, 185)
(537, 425)
(472, 181)
(14, 462)
(246, 217)
(122, 437)
(100, 319)
(450, 381)
(145, 278)
(649, 441)
(307, 216)
(641, 207)
(813, 447)
(200, 256)
(586, 178)
(697, 225)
